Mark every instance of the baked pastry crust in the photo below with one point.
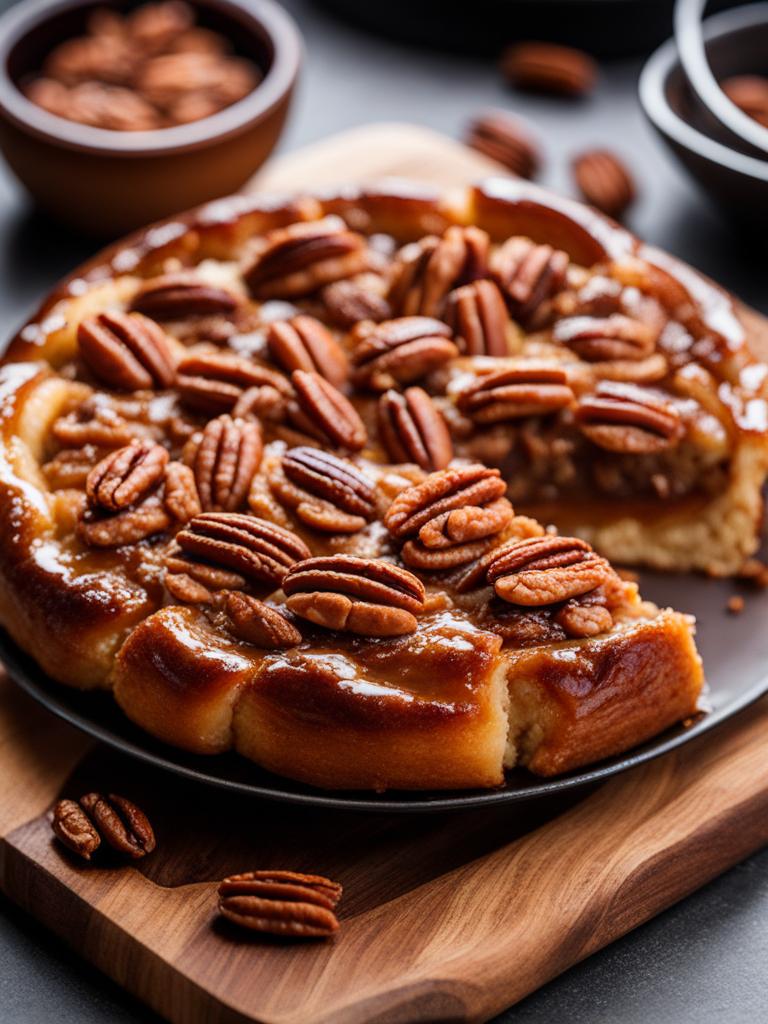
(474, 688)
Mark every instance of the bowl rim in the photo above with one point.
(656, 72)
(273, 21)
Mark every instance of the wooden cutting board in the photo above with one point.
(448, 917)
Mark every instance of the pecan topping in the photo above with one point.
(479, 319)
(426, 271)
(75, 829)
(182, 501)
(128, 526)
(182, 294)
(346, 302)
(255, 549)
(126, 351)
(215, 382)
(506, 140)
(580, 618)
(281, 903)
(604, 181)
(451, 518)
(548, 67)
(301, 258)
(259, 623)
(322, 412)
(360, 595)
(399, 351)
(624, 418)
(303, 343)
(413, 430)
(527, 389)
(119, 822)
(545, 570)
(126, 476)
(605, 339)
(93, 424)
(528, 274)
(194, 582)
(224, 462)
(326, 493)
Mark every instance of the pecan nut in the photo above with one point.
(604, 181)
(126, 476)
(545, 570)
(258, 623)
(191, 581)
(224, 460)
(581, 618)
(605, 339)
(254, 549)
(82, 825)
(399, 351)
(304, 343)
(550, 68)
(625, 418)
(365, 596)
(182, 502)
(361, 298)
(412, 429)
(94, 424)
(528, 275)
(322, 412)
(214, 382)
(182, 294)
(283, 903)
(75, 829)
(526, 389)
(127, 351)
(325, 492)
(303, 257)
(506, 140)
(129, 526)
(426, 271)
(451, 518)
(122, 824)
(479, 319)
(750, 94)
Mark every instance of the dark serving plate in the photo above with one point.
(734, 649)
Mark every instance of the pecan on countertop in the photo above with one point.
(549, 68)
(365, 596)
(506, 140)
(83, 825)
(604, 181)
(283, 903)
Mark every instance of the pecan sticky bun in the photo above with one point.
(283, 483)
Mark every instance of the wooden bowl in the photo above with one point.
(108, 182)
(733, 173)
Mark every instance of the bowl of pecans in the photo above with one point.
(733, 172)
(113, 116)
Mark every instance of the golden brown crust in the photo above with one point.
(341, 713)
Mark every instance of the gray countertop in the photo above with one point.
(703, 960)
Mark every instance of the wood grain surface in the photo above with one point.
(447, 917)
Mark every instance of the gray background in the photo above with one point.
(703, 961)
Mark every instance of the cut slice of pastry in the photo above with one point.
(283, 474)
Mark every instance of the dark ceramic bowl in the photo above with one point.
(728, 169)
(109, 182)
